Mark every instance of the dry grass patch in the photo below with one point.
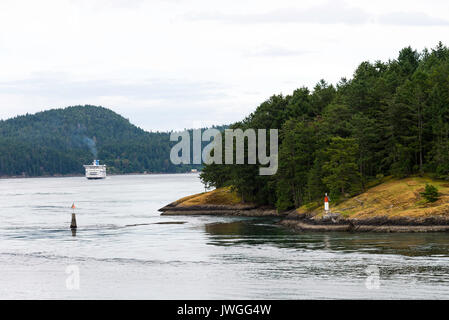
(221, 196)
(395, 198)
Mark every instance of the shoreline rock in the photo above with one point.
(304, 222)
(225, 202)
(376, 224)
(242, 210)
(303, 226)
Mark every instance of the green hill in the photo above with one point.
(60, 141)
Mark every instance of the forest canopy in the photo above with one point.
(60, 141)
(391, 118)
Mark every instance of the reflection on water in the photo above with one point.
(125, 249)
(264, 230)
(417, 262)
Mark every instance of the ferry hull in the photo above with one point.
(95, 171)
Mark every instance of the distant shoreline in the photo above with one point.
(82, 175)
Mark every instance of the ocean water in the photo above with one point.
(124, 249)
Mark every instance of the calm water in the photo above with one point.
(122, 250)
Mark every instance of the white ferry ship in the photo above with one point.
(95, 170)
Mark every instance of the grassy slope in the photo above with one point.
(221, 196)
(396, 198)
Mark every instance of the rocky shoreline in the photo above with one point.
(377, 224)
(303, 222)
(218, 210)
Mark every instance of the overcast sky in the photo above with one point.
(177, 64)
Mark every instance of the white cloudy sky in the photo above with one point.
(178, 64)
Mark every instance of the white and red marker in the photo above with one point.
(326, 202)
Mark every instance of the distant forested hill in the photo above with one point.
(60, 141)
(391, 118)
